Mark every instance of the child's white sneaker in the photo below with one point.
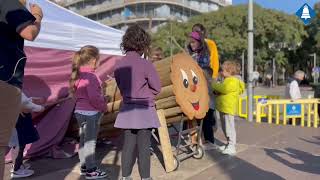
(22, 173)
(96, 174)
(222, 148)
(126, 178)
(229, 150)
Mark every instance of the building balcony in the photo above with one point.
(68, 3)
(108, 5)
(119, 21)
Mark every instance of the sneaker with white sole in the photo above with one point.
(96, 174)
(126, 178)
(22, 173)
(23, 166)
(222, 148)
(83, 170)
(230, 150)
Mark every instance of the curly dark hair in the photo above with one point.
(136, 39)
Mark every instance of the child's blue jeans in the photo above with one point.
(89, 128)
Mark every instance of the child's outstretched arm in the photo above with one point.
(225, 87)
(94, 91)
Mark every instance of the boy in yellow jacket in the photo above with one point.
(227, 103)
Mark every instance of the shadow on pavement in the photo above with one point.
(304, 161)
(312, 141)
(235, 168)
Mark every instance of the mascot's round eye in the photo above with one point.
(195, 79)
(185, 83)
(184, 78)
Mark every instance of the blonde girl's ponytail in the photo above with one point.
(80, 58)
(75, 73)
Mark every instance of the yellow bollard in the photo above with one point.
(278, 114)
(258, 113)
(302, 115)
(306, 117)
(315, 124)
(246, 100)
(284, 114)
(243, 101)
(294, 121)
(270, 114)
(309, 115)
(240, 107)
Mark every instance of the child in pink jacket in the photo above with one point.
(86, 88)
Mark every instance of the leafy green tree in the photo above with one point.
(228, 27)
(311, 44)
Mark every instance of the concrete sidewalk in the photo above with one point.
(271, 153)
(264, 152)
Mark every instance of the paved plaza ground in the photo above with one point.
(265, 151)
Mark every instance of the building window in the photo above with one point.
(93, 17)
(162, 11)
(140, 10)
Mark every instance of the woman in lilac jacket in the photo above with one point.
(139, 83)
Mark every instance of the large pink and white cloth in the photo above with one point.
(48, 69)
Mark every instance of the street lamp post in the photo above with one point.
(171, 53)
(250, 60)
(276, 47)
(242, 65)
(274, 72)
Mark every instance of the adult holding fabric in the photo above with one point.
(16, 24)
(205, 52)
(214, 55)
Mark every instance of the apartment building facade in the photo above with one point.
(148, 13)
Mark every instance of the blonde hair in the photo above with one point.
(231, 67)
(80, 58)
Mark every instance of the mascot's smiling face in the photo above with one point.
(189, 86)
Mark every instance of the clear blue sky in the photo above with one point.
(288, 6)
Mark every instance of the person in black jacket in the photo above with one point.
(16, 24)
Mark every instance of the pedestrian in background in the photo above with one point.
(292, 89)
